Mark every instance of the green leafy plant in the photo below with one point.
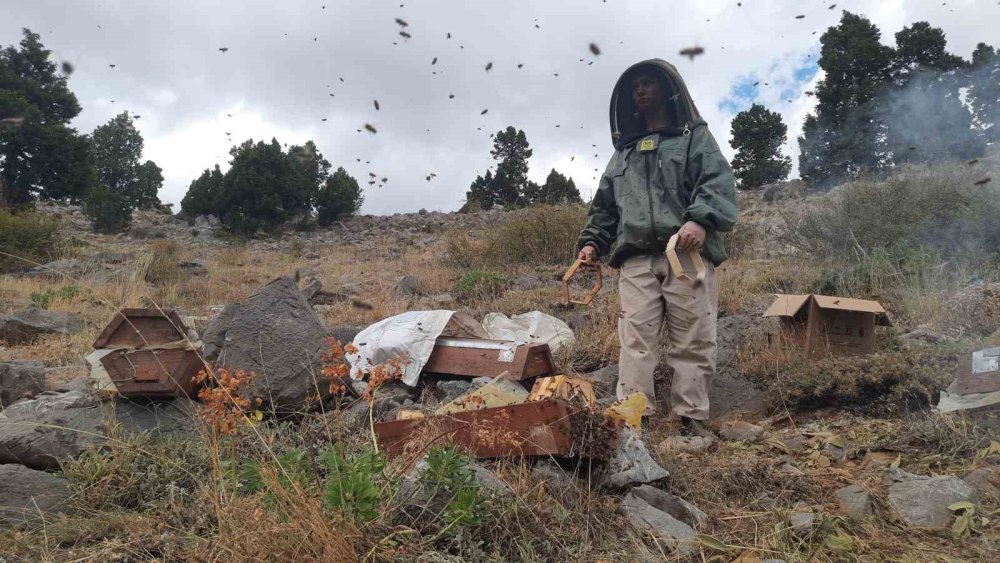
(294, 469)
(479, 284)
(448, 470)
(350, 483)
(43, 299)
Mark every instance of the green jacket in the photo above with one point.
(644, 196)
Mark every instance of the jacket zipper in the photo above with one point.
(649, 193)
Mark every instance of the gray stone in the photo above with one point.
(207, 222)
(671, 532)
(276, 335)
(923, 501)
(672, 505)
(631, 464)
(854, 501)
(407, 286)
(311, 288)
(20, 380)
(687, 444)
(214, 337)
(43, 433)
(741, 431)
(66, 268)
(605, 380)
(802, 519)
(26, 495)
(23, 327)
(984, 480)
(453, 388)
(343, 333)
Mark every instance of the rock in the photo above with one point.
(207, 222)
(26, 495)
(672, 505)
(453, 388)
(423, 500)
(687, 444)
(854, 501)
(276, 335)
(631, 464)
(439, 301)
(214, 336)
(802, 519)
(407, 286)
(25, 326)
(343, 333)
(673, 533)
(985, 480)
(311, 255)
(44, 432)
(529, 281)
(192, 267)
(605, 380)
(923, 501)
(67, 268)
(311, 288)
(20, 380)
(740, 430)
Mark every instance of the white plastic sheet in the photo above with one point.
(409, 336)
(533, 327)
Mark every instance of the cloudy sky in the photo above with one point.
(292, 64)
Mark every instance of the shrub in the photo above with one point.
(163, 261)
(936, 208)
(43, 299)
(883, 382)
(26, 239)
(540, 235)
(480, 285)
(109, 211)
(339, 196)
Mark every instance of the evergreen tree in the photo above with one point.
(40, 155)
(263, 188)
(480, 193)
(202, 197)
(984, 90)
(339, 197)
(511, 151)
(117, 147)
(149, 182)
(844, 137)
(557, 189)
(758, 134)
(926, 120)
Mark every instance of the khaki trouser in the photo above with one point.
(649, 296)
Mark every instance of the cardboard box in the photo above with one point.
(828, 324)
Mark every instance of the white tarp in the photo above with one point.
(409, 336)
(412, 336)
(534, 327)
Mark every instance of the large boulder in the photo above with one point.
(20, 380)
(26, 495)
(631, 464)
(43, 433)
(923, 501)
(276, 335)
(23, 327)
(674, 534)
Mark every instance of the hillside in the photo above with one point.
(798, 432)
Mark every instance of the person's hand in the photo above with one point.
(691, 237)
(588, 254)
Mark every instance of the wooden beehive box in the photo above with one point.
(149, 357)
(475, 357)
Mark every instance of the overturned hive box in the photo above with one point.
(824, 323)
(149, 355)
(477, 357)
(542, 428)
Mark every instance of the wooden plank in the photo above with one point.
(139, 328)
(155, 374)
(528, 429)
(968, 382)
(530, 360)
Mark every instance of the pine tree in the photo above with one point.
(511, 151)
(844, 137)
(480, 194)
(40, 155)
(558, 189)
(926, 120)
(758, 134)
(149, 182)
(202, 197)
(984, 90)
(117, 147)
(339, 197)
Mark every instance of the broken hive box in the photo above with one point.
(477, 357)
(542, 428)
(824, 323)
(148, 354)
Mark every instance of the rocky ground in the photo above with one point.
(798, 474)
